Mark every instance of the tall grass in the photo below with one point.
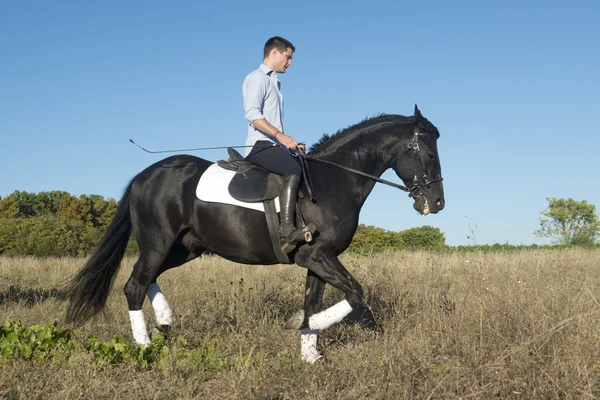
(470, 325)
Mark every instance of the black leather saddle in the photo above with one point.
(251, 183)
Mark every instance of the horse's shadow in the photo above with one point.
(29, 297)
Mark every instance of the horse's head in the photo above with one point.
(419, 168)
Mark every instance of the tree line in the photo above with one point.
(368, 236)
(59, 224)
(53, 223)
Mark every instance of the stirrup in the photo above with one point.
(291, 240)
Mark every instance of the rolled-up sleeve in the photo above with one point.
(254, 92)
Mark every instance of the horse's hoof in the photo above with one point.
(311, 356)
(364, 318)
(164, 329)
(296, 321)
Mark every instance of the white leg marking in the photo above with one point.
(308, 346)
(161, 308)
(332, 315)
(138, 327)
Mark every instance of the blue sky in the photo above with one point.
(512, 86)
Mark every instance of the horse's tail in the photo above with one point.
(88, 290)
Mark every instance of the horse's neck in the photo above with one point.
(368, 153)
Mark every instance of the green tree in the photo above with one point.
(46, 236)
(24, 204)
(9, 207)
(55, 223)
(569, 221)
(73, 208)
(424, 236)
(371, 236)
(101, 210)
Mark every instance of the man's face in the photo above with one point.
(282, 61)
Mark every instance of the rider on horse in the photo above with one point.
(267, 144)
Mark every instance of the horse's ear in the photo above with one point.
(418, 114)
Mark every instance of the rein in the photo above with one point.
(355, 171)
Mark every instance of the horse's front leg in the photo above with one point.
(313, 296)
(324, 266)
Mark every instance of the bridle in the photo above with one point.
(416, 190)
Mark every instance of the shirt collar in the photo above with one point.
(268, 71)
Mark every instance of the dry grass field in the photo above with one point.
(522, 325)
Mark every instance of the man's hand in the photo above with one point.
(287, 141)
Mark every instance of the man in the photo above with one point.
(263, 106)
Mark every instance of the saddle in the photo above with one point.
(252, 184)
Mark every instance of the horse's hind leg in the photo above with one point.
(156, 256)
(144, 272)
(179, 254)
(162, 311)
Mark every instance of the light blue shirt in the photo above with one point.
(262, 99)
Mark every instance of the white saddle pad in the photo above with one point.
(213, 188)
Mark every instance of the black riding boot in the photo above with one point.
(289, 236)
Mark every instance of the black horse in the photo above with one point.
(173, 226)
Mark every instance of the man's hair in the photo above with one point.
(279, 43)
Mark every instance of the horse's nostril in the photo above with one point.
(439, 203)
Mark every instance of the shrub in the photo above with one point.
(423, 237)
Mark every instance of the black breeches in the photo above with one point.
(274, 159)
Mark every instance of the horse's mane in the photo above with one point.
(352, 131)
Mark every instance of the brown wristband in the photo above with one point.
(275, 135)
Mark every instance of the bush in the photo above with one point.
(370, 236)
(423, 237)
(46, 236)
